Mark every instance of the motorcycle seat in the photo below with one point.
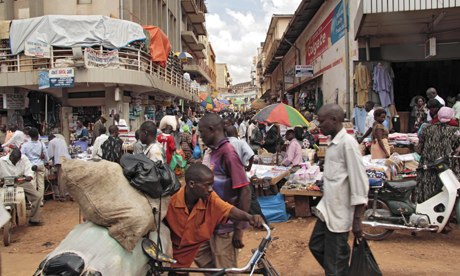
(402, 186)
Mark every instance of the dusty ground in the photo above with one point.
(401, 254)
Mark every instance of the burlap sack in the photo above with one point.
(106, 198)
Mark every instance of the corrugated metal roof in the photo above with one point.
(302, 17)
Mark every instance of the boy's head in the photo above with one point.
(199, 180)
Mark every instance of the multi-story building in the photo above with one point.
(257, 64)
(135, 88)
(224, 81)
(413, 45)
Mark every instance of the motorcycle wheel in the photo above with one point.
(7, 233)
(375, 233)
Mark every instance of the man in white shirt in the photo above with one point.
(242, 128)
(251, 127)
(58, 150)
(17, 139)
(344, 198)
(431, 93)
(97, 151)
(18, 165)
(456, 107)
(148, 136)
(242, 148)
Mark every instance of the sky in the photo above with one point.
(237, 27)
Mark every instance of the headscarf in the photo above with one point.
(445, 114)
(186, 128)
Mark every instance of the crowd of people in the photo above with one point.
(220, 149)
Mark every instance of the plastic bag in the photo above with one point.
(363, 262)
(153, 178)
(196, 152)
(273, 208)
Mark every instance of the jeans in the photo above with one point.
(330, 249)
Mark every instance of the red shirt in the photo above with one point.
(191, 229)
(167, 141)
(452, 122)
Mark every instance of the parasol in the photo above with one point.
(208, 103)
(258, 104)
(282, 114)
(183, 56)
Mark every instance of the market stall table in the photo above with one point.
(266, 178)
(302, 199)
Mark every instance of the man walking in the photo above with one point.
(97, 129)
(344, 198)
(111, 148)
(232, 185)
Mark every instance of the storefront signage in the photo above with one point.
(37, 49)
(96, 59)
(303, 71)
(43, 80)
(61, 77)
(329, 32)
(15, 100)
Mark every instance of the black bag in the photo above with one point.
(363, 262)
(153, 178)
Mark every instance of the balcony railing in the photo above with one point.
(129, 59)
(381, 6)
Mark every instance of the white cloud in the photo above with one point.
(236, 34)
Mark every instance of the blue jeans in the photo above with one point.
(330, 249)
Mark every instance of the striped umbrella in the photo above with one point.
(282, 114)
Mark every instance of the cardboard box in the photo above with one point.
(400, 150)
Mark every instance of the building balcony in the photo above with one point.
(135, 70)
(194, 6)
(199, 69)
(194, 44)
(385, 6)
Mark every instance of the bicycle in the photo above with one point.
(258, 263)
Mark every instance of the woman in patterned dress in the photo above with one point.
(436, 140)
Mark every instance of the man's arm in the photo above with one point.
(357, 220)
(368, 132)
(239, 215)
(244, 204)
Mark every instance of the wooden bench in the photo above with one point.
(259, 184)
(302, 200)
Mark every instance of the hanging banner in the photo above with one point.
(43, 80)
(37, 49)
(303, 71)
(329, 32)
(96, 59)
(61, 77)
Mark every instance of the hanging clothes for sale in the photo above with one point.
(362, 80)
(383, 83)
(360, 114)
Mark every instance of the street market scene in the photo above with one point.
(264, 137)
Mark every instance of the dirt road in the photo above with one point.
(401, 254)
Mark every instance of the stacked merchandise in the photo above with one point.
(403, 143)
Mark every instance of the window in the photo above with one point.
(84, 1)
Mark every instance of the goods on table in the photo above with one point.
(107, 199)
(99, 252)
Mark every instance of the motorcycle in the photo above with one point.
(14, 200)
(390, 207)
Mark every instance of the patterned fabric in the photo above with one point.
(420, 116)
(186, 145)
(438, 140)
(111, 149)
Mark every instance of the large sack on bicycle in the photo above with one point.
(106, 198)
(89, 248)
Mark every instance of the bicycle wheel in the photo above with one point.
(7, 233)
(267, 268)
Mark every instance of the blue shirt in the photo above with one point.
(33, 150)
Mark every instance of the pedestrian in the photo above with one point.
(17, 164)
(432, 94)
(380, 148)
(232, 185)
(37, 154)
(185, 138)
(148, 137)
(420, 111)
(112, 147)
(344, 198)
(434, 106)
(97, 150)
(57, 151)
(456, 107)
(2, 133)
(16, 138)
(97, 129)
(294, 149)
(272, 139)
(197, 203)
(244, 151)
(138, 147)
(436, 140)
(166, 139)
(257, 137)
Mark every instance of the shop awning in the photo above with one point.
(409, 23)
